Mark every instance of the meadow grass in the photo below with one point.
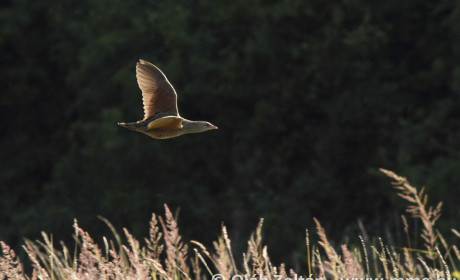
(163, 255)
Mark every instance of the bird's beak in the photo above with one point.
(214, 127)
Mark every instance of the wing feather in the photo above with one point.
(166, 123)
(158, 95)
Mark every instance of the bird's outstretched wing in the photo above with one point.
(158, 95)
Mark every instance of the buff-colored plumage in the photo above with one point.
(161, 116)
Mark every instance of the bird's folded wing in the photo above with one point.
(158, 95)
(167, 123)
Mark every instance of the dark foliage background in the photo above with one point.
(310, 97)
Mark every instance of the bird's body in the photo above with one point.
(161, 117)
(162, 133)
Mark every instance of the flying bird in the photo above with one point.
(161, 116)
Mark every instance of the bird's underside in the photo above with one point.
(159, 126)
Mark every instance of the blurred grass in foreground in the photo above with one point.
(165, 255)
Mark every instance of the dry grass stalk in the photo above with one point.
(153, 242)
(366, 258)
(334, 265)
(176, 250)
(352, 268)
(307, 243)
(418, 208)
(10, 265)
(229, 247)
(222, 259)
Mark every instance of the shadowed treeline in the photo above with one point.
(310, 98)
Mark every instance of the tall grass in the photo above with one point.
(163, 255)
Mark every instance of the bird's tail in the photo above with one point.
(136, 126)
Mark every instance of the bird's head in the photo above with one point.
(206, 126)
(198, 126)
